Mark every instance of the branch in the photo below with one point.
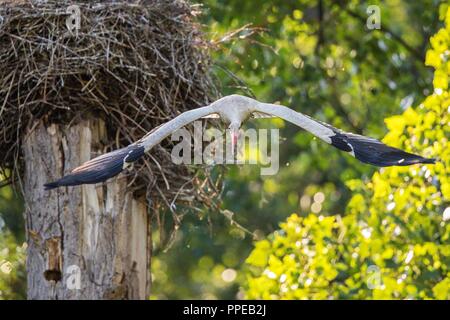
(415, 52)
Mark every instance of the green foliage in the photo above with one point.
(393, 242)
(197, 266)
(331, 68)
(12, 267)
(12, 247)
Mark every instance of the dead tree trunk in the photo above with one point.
(89, 242)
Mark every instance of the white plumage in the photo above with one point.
(235, 110)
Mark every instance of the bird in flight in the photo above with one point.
(234, 110)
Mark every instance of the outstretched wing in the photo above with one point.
(365, 149)
(111, 164)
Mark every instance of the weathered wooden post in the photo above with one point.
(89, 242)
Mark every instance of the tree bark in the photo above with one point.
(85, 242)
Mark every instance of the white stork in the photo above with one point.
(234, 110)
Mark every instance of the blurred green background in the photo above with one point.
(326, 226)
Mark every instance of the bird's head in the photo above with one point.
(234, 110)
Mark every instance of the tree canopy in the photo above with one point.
(348, 230)
(332, 67)
(393, 240)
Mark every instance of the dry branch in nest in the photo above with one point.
(135, 65)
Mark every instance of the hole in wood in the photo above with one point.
(52, 275)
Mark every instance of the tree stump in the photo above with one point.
(85, 242)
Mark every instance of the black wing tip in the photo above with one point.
(72, 180)
(99, 169)
(51, 185)
(374, 152)
(428, 160)
(389, 157)
(403, 159)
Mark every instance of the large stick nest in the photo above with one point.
(133, 65)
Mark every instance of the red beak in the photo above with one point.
(234, 139)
